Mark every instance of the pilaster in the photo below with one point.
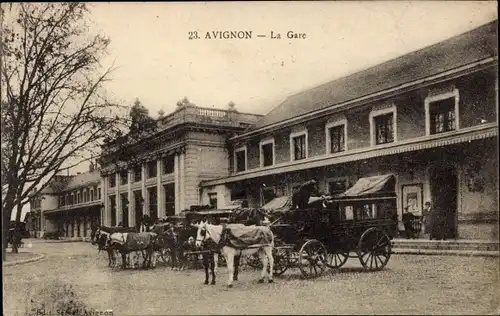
(105, 218)
(159, 190)
(144, 192)
(182, 180)
(177, 184)
(119, 210)
(130, 198)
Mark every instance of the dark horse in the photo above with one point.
(125, 241)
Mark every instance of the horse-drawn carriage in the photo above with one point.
(359, 223)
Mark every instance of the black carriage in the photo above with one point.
(359, 223)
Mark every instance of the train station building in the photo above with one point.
(68, 206)
(429, 118)
(158, 174)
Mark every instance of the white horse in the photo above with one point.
(265, 251)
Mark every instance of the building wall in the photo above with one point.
(476, 102)
(49, 202)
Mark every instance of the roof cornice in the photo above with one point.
(363, 100)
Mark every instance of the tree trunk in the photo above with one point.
(6, 214)
(16, 240)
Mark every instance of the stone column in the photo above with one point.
(105, 218)
(119, 210)
(182, 180)
(176, 184)
(144, 192)
(130, 197)
(159, 189)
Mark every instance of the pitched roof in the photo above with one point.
(457, 51)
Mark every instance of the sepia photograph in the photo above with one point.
(250, 158)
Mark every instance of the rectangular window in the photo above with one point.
(152, 169)
(112, 202)
(240, 160)
(137, 173)
(91, 195)
(169, 199)
(168, 164)
(384, 132)
(153, 203)
(442, 116)
(124, 177)
(78, 198)
(112, 180)
(337, 141)
(99, 193)
(299, 147)
(267, 154)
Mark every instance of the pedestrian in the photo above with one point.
(426, 217)
(407, 222)
(434, 222)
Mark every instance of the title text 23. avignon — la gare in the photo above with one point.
(218, 35)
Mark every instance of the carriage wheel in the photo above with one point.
(254, 261)
(374, 249)
(312, 258)
(166, 256)
(335, 260)
(281, 261)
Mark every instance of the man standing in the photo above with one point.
(426, 218)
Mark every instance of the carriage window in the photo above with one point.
(349, 212)
(212, 197)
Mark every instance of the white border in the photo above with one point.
(296, 134)
(373, 114)
(261, 153)
(330, 125)
(434, 98)
(243, 148)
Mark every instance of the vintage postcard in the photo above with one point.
(300, 157)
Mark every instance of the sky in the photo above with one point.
(158, 63)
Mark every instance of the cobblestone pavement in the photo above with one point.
(408, 285)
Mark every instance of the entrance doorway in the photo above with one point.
(444, 192)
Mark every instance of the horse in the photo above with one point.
(100, 238)
(125, 243)
(238, 239)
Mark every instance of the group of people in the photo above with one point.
(433, 222)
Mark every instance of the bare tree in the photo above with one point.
(54, 110)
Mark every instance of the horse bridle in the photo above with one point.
(205, 232)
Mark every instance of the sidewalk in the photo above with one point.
(25, 255)
(459, 247)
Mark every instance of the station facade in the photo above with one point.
(428, 117)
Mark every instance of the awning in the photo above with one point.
(370, 186)
(278, 203)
